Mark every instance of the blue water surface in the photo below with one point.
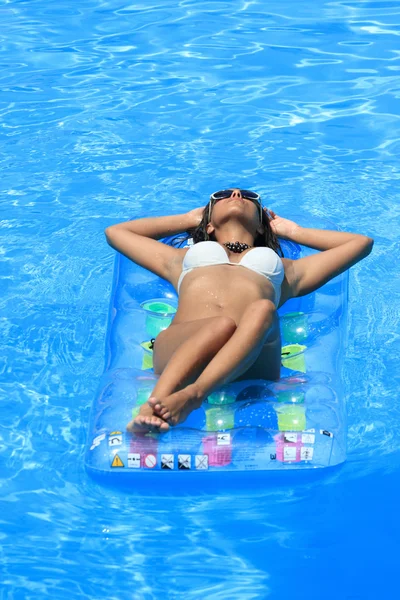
(111, 110)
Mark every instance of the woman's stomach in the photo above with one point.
(220, 290)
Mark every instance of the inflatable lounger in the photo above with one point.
(298, 422)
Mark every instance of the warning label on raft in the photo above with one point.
(117, 462)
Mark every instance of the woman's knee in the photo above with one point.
(206, 339)
(223, 327)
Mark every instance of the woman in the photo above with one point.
(230, 286)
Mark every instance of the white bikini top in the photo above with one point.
(260, 259)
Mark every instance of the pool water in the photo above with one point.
(110, 111)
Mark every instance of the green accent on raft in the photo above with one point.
(291, 396)
(291, 417)
(147, 362)
(161, 308)
(295, 327)
(221, 397)
(158, 316)
(220, 418)
(222, 414)
(293, 357)
(147, 346)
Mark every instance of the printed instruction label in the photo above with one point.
(184, 462)
(201, 462)
(167, 461)
(223, 439)
(290, 438)
(289, 452)
(133, 460)
(115, 438)
(306, 453)
(150, 461)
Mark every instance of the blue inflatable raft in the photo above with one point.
(298, 422)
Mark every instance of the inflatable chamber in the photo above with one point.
(298, 422)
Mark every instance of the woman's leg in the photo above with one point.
(258, 325)
(181, 352)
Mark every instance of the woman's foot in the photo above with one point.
(176, 407)
(146, 421)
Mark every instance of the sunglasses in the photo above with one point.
(247, 194)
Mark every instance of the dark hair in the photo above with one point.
(199, 234)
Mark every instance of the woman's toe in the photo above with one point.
(165, 414)
(157, 406)
(158, 424)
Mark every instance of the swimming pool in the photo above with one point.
(111, 110)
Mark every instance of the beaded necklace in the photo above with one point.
(237, 247)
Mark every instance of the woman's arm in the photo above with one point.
(312, 272)
(137, 241)
(318, 239)
(322, 239)
(157, 227)
(340, 251)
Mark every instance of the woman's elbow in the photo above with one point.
(109, 232)
(111, 229)
(368, 245)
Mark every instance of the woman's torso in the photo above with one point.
(221, 289)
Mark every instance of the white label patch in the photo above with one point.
(133, 461)
(115, 438)
(289, 453)
(150, 461)
(223, 439)
(306, 453)
(307, 438)
(202, 461)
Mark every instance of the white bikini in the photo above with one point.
(260, 259)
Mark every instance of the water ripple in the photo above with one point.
(111, 110)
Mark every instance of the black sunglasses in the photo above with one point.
(226, 193)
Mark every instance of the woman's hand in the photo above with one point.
(283, 228)
(195, 216)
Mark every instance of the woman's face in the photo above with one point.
(234, 206)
